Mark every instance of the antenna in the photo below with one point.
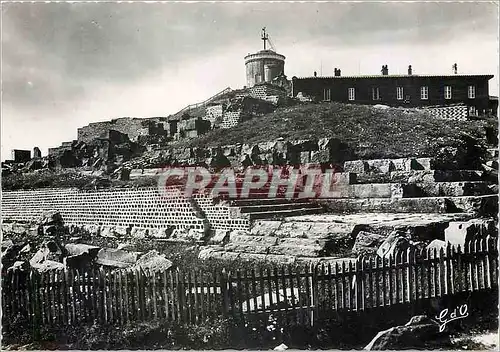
(264, 37)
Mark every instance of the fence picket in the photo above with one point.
(351, 285)
(247, 290)
(175, 300)
(195, 298)
(390, 268)
(276, 285)
(270, 286)
(239, 293)
(476, 266)
(285, 295)
(254, 290)
(300, 317)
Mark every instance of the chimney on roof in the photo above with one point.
(385, 70)
(315, 74)
(336, 72)
(409, 70)
(455, 68)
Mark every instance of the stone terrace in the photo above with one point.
(378, 196)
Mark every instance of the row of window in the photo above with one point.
(424, 93)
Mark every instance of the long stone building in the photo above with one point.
(401, 90)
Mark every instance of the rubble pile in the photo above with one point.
(43, 250)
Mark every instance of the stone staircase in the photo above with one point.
(273, 208)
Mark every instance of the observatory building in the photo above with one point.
(264, 65)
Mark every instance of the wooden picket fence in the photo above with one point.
(302, 293)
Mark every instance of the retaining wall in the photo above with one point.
(142, 208)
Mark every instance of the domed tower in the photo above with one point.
(264, 65)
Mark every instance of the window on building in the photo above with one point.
(447, 92)
(472, 92)
(399, 93)
(375, 94)
(424, 93)
(472, 111)
(326, 94)
(351, 94)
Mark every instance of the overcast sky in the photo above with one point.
(65, 65)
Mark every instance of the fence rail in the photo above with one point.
(205, 102)
(305, 293)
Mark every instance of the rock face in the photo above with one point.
(420, 332)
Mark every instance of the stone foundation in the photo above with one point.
(139, 208)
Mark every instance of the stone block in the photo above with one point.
(421, 164)
(247, 248)
(260, 240)
(118, 255)
(139, 233)
(81, 248)
(437, 245)
(320, 230)
(48, 265)
(265, 227)
(458, 232)
(356, 166)
(78, 260)
(396, 190)
(280, 259)
(297, 251)
(93, 230)
(293, 229)
(402, 164)
(345, 178)
(380, 190)
(160, 233)
(152, 261)
(380, 166)
(219, 237)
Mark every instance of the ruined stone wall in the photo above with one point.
(213, 113)
(231, 119)
(133, 127)
(264, 90)
(141, 208)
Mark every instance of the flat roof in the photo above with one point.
(394, 76)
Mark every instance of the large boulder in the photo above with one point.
(49, 250)
(51, 217)
(153, 261)
(367, 242)
(394, 243)
(420, 332)
(48, 265)
(81, 248)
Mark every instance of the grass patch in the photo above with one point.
(370, 132)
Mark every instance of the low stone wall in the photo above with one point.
(141, 208)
